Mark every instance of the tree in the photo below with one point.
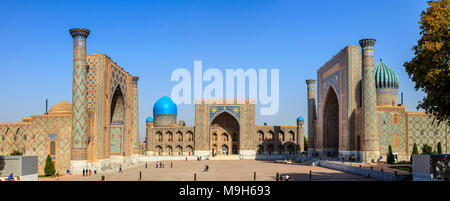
(427, 149)
(439, 148)
(390, 157)
(49, 167)
(16, 153)
(414, 151)
(430, 67)
(305, 143)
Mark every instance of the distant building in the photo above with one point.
(220, 130)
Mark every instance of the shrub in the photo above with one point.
(49, 167)
(427, 149)
(439, 148)
(16, 153)
(390, 157)
(414, 151)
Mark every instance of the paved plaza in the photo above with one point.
(226, 170)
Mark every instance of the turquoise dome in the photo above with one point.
(300, 119)
(164, 105)
(385, 77)
(149, 119)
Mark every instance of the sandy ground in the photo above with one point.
(227, 170)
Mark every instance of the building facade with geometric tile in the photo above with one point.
(98, 130)
(357, 113)
(223, 127)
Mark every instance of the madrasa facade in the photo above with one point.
(98, 129)
(223, 128)
(357, 114)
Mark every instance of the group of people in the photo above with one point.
(160, 164)
(88, 172)
(280, 177)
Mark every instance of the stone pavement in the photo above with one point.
(230, 170)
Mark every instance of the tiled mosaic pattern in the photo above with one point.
(421, 130)
(116, 140)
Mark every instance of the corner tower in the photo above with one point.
(79, 115)
(369, 139)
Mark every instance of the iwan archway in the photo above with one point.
(116, 134)
(331, 124)
(224, 135)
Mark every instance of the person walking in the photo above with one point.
(83, 173)
(103, 178)
(156, 164)
(120, 169)
(277, 176)
(95, 170)
(146, 165)
(171, 165)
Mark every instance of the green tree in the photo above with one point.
(390, 157)
(439, 148)
(430, 67)
(427, 149)
(414, 151)
(305, 143)
(16, 153)
(49, 167)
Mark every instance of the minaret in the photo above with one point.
(79, 115)
(135, 115)
(300, 134)
(369, 140)
(311, 115)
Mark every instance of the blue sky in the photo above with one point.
(152, 38)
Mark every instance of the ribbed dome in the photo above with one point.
(300, 119)
(149, 119)
(385, 77)
(61, 108)
(164, 105)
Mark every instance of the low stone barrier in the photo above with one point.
(385, 176)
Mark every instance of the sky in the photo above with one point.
(151, 39)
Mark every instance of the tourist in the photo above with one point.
(171, 165)
(11, 177)
(90, 172)
(95, 170)
(156, 164)
(145, 164)
(278, 176)
(120, 169)
(83, 172)
(103, 178)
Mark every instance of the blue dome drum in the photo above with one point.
(149, 119)
(164, 112)
(387, 84)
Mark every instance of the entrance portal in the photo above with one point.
(117, 123)
(331, 124)
(228, 127)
